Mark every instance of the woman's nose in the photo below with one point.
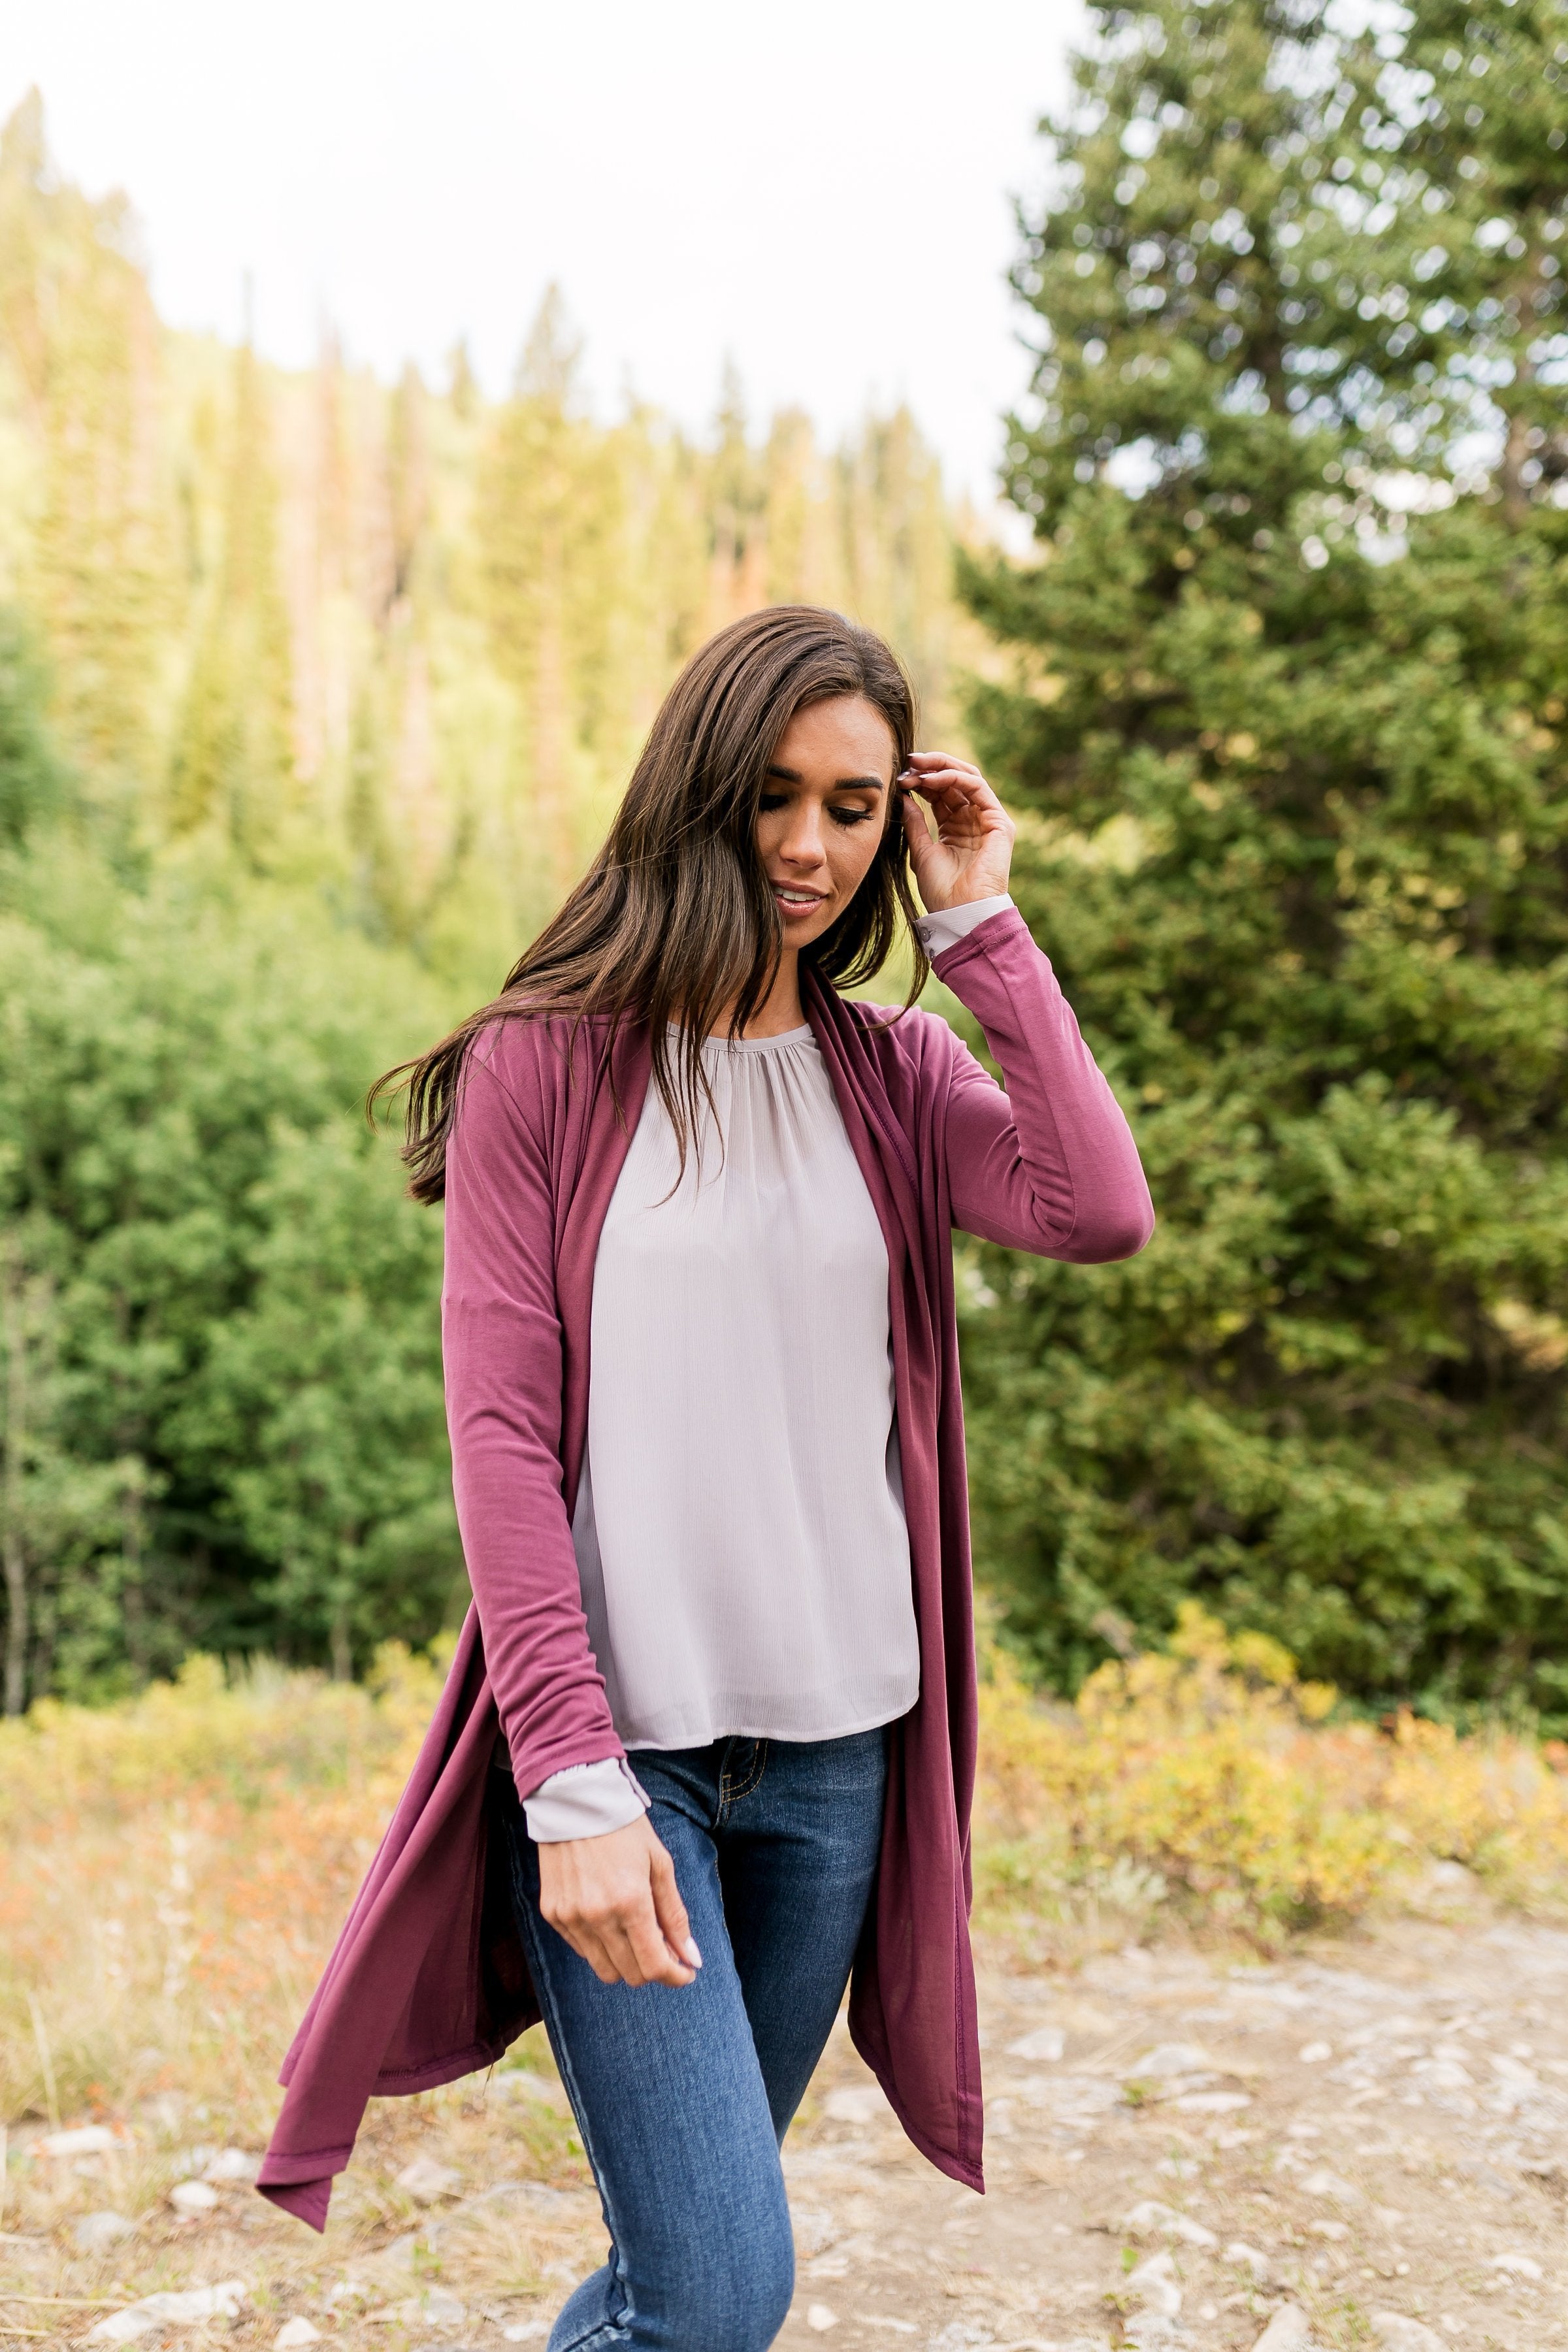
(803, 842)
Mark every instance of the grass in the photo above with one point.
(172, 1870)
(173, 1873)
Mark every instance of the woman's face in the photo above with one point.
(823, 807)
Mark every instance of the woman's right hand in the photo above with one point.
(615, 1899)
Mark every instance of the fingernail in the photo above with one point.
(692, 1954)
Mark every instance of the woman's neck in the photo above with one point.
(781, 1009)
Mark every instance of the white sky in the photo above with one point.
(821, 190)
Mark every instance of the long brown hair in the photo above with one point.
(674, 921)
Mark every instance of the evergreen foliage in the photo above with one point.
(34, 784)
(233, 759)
(549, 508)
(316, 698)
(81, 341)
(1283, 698)
(402, 642)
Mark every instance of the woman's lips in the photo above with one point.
(797, 902)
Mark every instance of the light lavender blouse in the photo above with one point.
(739, 1533)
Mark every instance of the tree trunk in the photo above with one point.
(1516, 449)
(341, 1645)
(16, 1619)
(133, 1599)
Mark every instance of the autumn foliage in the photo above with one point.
(1212, 1779)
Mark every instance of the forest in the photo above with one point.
(315, 692)
(314, 695)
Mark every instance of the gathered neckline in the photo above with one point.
(804, 1036)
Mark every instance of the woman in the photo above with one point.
(703, 1394)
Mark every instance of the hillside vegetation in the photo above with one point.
(1282, 703)
(314, 695)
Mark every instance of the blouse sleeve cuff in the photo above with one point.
(584, 1800)
(950, 924)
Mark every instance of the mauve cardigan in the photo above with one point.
(429, 1980)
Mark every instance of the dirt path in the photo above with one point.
(1376, 2138)
(1366, 2144)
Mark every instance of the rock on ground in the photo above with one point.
(1362, 2144)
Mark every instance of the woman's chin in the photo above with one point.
(800, 930)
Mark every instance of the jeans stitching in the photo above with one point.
(613, 2331)
(727, 1793)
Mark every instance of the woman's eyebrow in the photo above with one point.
(839, 784)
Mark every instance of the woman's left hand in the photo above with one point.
(973, 851)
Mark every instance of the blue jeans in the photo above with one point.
(683, 2094)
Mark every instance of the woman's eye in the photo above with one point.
(850, 816)
(771, 801)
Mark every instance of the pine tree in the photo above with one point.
(1281, 702)
(233, 762)
(35, 781)
(463, 390)
(409, 478)
(547, 514)
(895, 534)
(76, 320)
(737, 514)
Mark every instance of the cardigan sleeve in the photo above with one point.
(502, 1350)
(1050, 1165)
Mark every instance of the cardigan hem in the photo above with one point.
(968, 2171)
(309, 2192)
(307, 2199)
(402, 2082)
